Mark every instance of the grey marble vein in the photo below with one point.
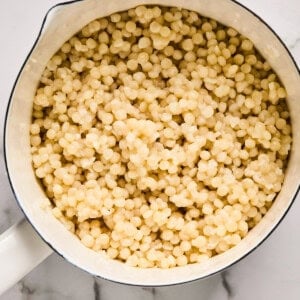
(26, 290)
(151, 290)
(97, 290)
(226, 284)
(9, 210)
(29, 291)
(295, 43)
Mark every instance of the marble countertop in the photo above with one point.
(270, 272)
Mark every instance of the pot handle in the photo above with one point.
(21, 250)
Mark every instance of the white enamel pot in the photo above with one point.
(22, 247)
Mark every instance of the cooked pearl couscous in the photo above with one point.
(160, 136)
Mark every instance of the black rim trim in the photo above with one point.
(48, 243)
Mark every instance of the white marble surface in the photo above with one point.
(271, 272)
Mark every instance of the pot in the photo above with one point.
(26, 247)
